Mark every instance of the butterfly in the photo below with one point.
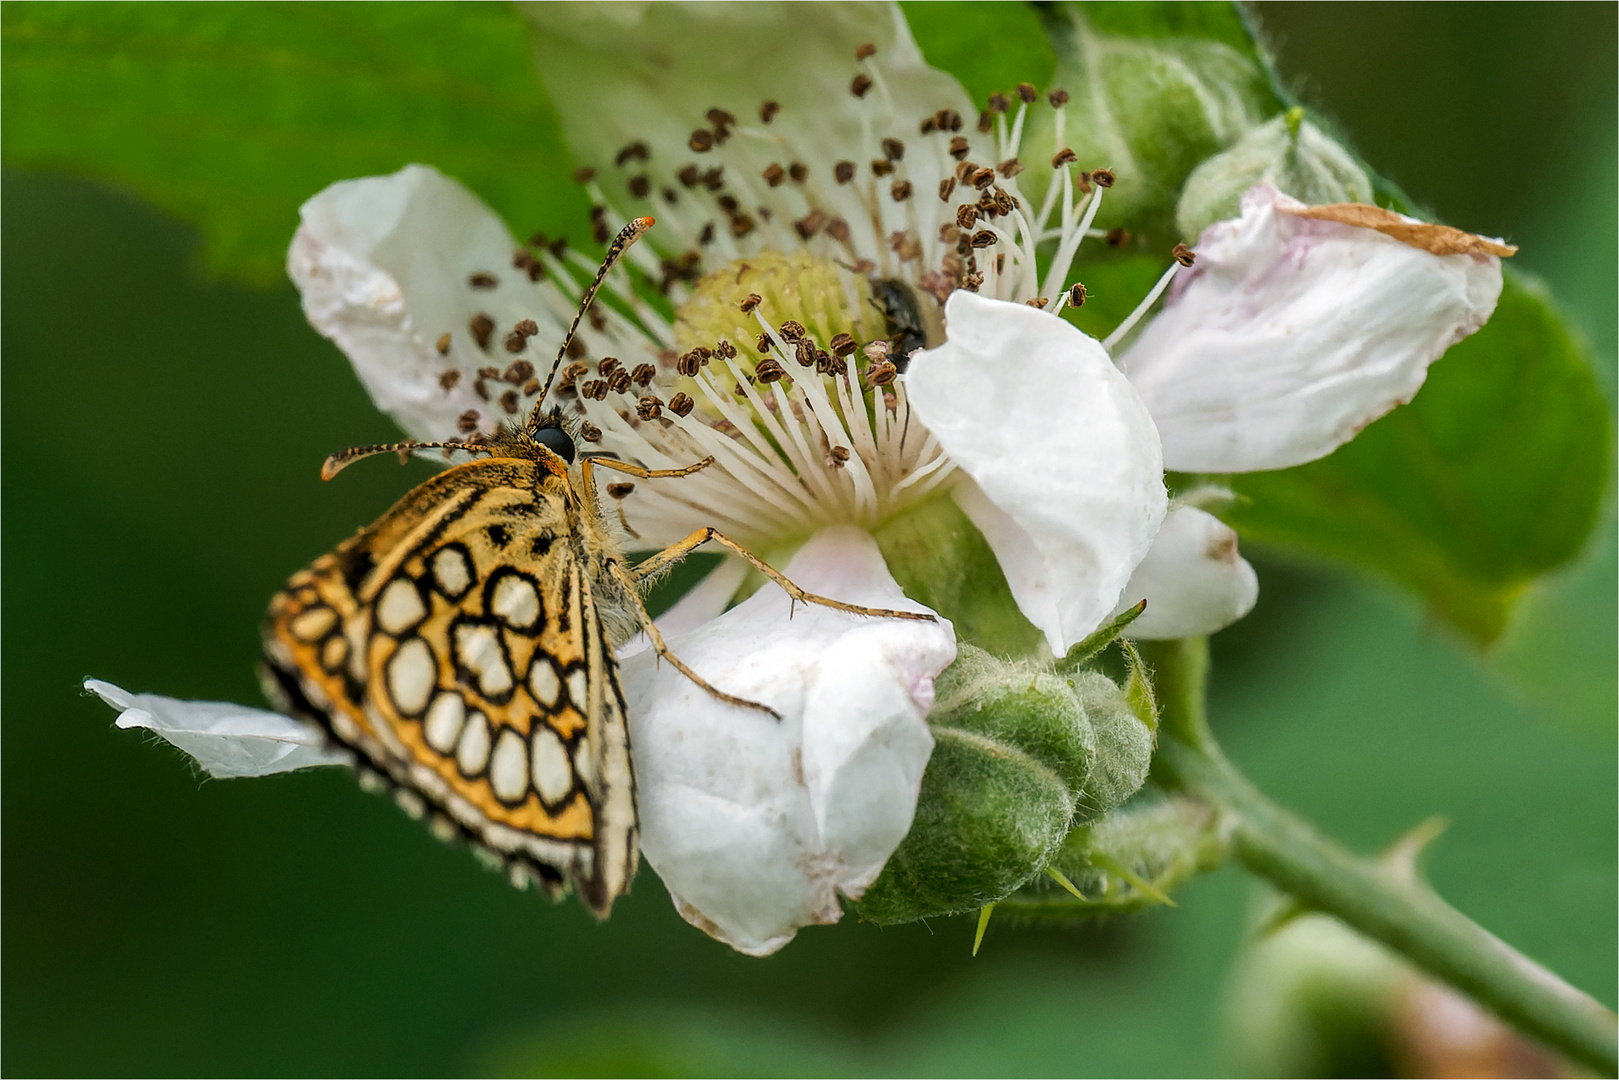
(462, 647)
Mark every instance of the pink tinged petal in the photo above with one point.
(756, 825)
(226, 740)
(1291, 334)
(1193, 580)
(386, 266)
(1065, 476)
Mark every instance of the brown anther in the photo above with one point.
(720, 119)
(806, 354)
(573, 371)
(1118, 236)
(1037, 302)
(584, 174)
(643, 374)
(531, 388)
(838, 229)
(526, 327)
(774, 174)
(1065, 156)
(1083, 182)
(930, 125)
(522, 260)
(798, 172)
(689, 175)
(706, 236)
(689, 364)
(881, 373)
(983, 178)
(843, 172)
(508, 401)
(1076, 295)
(619, 381)
(881, 166)
(702, 140)
(448, 380)
(670, 195)
(762, 343)
(1183, 254)
(958, 146)
(810, 224)
(599, 231)
(608, 365)
(860, 84)
(1058, 98)
(843, 344)
(983, 238)
(1010, 167)
(966, 215)
(467, 421)
(589, 432)
(598, 321)
(901, 190)
(649, 407)
(722, 348)
(481, 327)
(893, 149)
(640, 187)
(742, 225)
(1004, 202)
(1102, 177)
(483, 280)
(866, 51)
(749, 302)
(793, 330)
(998, 103)
(619, 490)
(964, 172)
(576, 348)
(986, 122)
(947, 188)
(769, 371)
(443, 343)
(1027, 93)
(768, 111)
(947, 120)
(636, 151)
(714, 178)
(728, 203)
(681, 405)
(520, 372)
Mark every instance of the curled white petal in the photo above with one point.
(1290, 335)
(386, 265)
(1066, 475)
(226, 740)
(756, 824)
(1193, 579)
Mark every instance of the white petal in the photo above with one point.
(1289, 335)
(1067, 483)
(1193, 580)
(226, 740)
(385, 264)
(756, 824)
(624, 73)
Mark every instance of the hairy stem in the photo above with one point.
(1400, 911)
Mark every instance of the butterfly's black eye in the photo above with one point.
(556, 440)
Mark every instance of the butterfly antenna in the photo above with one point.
(343, 458)
(621, 243)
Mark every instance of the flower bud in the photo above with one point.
(1020, 755)
(1288, 152)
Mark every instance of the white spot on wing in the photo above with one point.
(411, 675)
(478, 650)
(584, 762)
(472, 751)
(400, 607)
(552, 775)
(312, 624)
(452, 573)
(508, 767)
(543, 682)
(516, 602)
(579, 689)
(442, 726)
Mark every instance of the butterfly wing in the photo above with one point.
(457, 648)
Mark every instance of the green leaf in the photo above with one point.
(1493, 475)
(231, 115)
(952, 36)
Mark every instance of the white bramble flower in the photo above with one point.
(857, 323)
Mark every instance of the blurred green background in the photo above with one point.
(157, 924)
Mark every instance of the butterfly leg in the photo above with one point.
(672, 554)
(662, 649)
